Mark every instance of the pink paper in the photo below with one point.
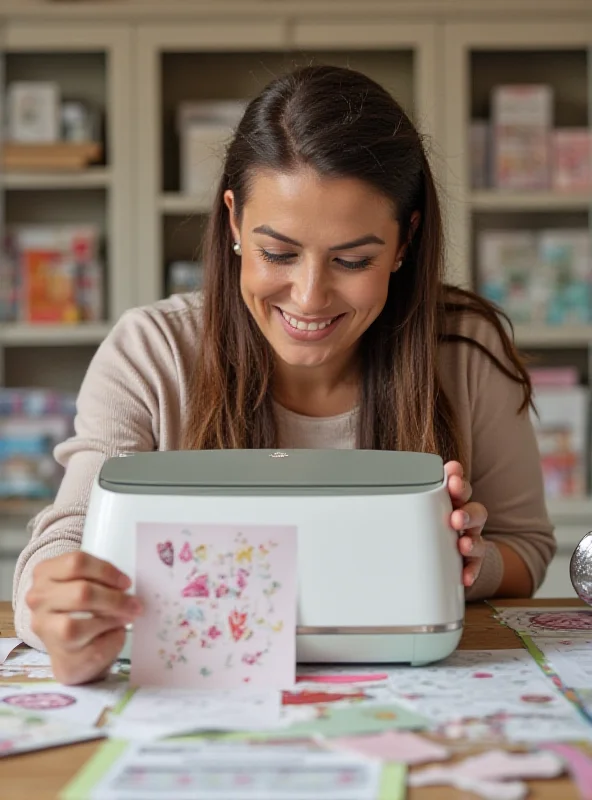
(499, 765)
(579, 765)
(220, 606)
(408, 748)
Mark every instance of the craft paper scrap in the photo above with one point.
(28, 662)
(501, 766)
(154, 713)
(579, 765)
(203, 771)
(220, 606)
(336, 720)
(548, 621)
(402, 746)
(23, 731)
(492, 774)
(6, 647)
(72, 704)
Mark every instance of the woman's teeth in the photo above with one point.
(307, 326)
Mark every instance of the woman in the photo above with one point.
(324, 323)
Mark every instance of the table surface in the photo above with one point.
(42, 775)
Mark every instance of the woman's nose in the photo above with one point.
(311, 287)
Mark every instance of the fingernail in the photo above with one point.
(466, 518)
(470, 545)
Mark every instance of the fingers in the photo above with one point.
(459, 488)
(470, 517)
(83, 595)
(74, 635)
(472, 547)
(91, 661)
(78, 565)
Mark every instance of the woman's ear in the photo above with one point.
(413, 226)
(229, 201)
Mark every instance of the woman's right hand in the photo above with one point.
(79, 610)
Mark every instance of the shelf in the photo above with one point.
(21, 509)
(182, 204)
(553, 336)
(530, 201)
(24, 335)
(88, 179)
(572, 510)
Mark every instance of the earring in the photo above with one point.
(399, 262)
(237, 249)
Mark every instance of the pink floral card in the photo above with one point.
(219, 606)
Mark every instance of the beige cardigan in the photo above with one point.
(137, 388)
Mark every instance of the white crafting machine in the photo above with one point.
(379, 572)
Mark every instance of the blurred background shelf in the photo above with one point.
(95, 178)
(40, 335)
(496, 200)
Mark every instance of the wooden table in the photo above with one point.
(41, 775)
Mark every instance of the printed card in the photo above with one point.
(219, 606)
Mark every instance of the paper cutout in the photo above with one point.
(491, 774)
(187, 770)
(557, 621)
(579, 765)
(22, 731)
(7, 646)
(220, 615)
(401, 746)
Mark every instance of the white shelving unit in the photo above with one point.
(141, 58)
(91, 62)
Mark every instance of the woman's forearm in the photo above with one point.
(516, 580)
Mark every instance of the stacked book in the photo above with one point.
(32, 422)
(562, 429)
(539, 277)
(519, 147)
(52, 274)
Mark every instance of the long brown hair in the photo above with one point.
(342, 124)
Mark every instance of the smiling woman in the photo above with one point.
(325, 322)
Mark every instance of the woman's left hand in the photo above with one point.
(467, 518)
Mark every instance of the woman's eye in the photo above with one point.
(363, 262)
(275, 258)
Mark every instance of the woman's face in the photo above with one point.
(317, 255)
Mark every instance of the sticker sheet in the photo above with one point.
(220, 606)
(200, 771)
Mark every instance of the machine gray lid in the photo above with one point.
(251, 471)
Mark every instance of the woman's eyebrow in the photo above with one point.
(370, 238)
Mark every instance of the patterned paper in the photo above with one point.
(21, 731)
(548, 621)
(220, 606)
